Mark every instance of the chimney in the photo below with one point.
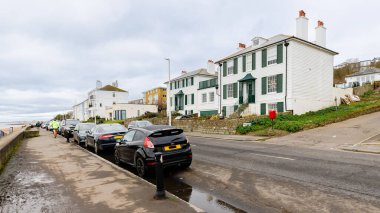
(320, 34)
(210, 66)
(183, 72)
(241, 46)
(302, 26)
(98, 84)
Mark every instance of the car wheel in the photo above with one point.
(85, 144)
(117, 159)
(96, 147)
(140, 167)
(185, 165)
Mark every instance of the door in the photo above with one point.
(122, 147)
(90, 137)
(138, 141)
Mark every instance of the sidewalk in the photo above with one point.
(246, 138)
(50, 175)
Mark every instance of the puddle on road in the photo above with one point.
(197, 197)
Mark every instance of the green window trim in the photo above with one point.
(264, 59)
(235, 90)
(187, 82)
(192, 98)
(224, 69)
(192, 81)
(224, 111)
(236, 64)
(253, 61)
(185, 99)
(236, 107)
(263, 109)
(279, 83)
(280, 106)
(264, 85)
(279, 54)
(244, 63)
(224, 91)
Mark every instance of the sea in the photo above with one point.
(4, 125)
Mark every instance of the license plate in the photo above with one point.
(172, 147)
(118, 137)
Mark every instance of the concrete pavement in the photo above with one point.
(50, 175)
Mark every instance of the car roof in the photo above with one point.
(154, 128)
(113, 124)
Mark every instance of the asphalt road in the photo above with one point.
(276, 178)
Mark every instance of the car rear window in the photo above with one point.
(85, 127)
(169, 132)
(71, 122)
(111, 128)
(143, 123)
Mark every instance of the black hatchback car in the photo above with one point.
(138, 146)
(104, 136)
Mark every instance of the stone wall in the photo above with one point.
(8, 145)
(226, 126)
(363, 89)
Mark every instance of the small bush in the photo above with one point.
(289, 126)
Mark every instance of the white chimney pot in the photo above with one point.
(302, 26)
(320, 34)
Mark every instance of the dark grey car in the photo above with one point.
(79, 133)
(104, 136)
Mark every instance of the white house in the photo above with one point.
(121, 111)
(368, 75)
(97, 101)
(283, 72)
(194, 92)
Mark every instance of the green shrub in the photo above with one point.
(289, 126)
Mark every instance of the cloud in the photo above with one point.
(52, 52)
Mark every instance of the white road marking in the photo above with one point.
(272, 156)
(357, 144)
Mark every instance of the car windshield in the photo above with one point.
(85, 127)
(72, 122)
(111, 128)
(143, 123)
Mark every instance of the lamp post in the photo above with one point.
(168, 93)
(220, 89)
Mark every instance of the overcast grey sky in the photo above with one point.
(52, 52)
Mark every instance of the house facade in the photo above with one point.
(368, 75)
(283, 73)
(122, 111)
(194, 92)
(97, 100)
(156, 96)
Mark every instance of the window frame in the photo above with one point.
(272, 106)
(272, 84)
(230, 89)
(272, 56)
(213, 97)
(204, 97)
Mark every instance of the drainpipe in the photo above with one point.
(286, 74)
(220, 88)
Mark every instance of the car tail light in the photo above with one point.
(106, 136)
(190, 156)
(151, 163)
(148, 143)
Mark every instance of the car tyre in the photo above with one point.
(117, 159)
(185, 165)
(96, 148)
(85, 144)
(141, 167)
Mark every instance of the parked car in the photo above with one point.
(79, 133)
(143, 123)
(139, 145)
(104, 136)
(61, 124)
(49, 127)
(67, 128)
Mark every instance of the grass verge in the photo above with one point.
(287, 123)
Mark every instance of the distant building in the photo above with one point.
(356, 66)
(368, 75)
(98, 99)
(156, 96)
(137, 101)
(122, 111)
(194, 92)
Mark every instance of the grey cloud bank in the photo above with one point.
(52, 52)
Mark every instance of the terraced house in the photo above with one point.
(284, 73)
(194, 92)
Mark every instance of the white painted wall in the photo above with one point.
(362, 79)
(103, 99)
(310, 78)
(132, 110)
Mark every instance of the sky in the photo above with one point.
(52, 52)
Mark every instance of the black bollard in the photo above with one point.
(160, 188)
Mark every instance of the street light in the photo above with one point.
(168, 95)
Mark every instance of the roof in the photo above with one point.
(367, 71)
(273, 40)
(154, 89)
(248, 77)
(179, 93)
(201, 71)
(112, 88)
